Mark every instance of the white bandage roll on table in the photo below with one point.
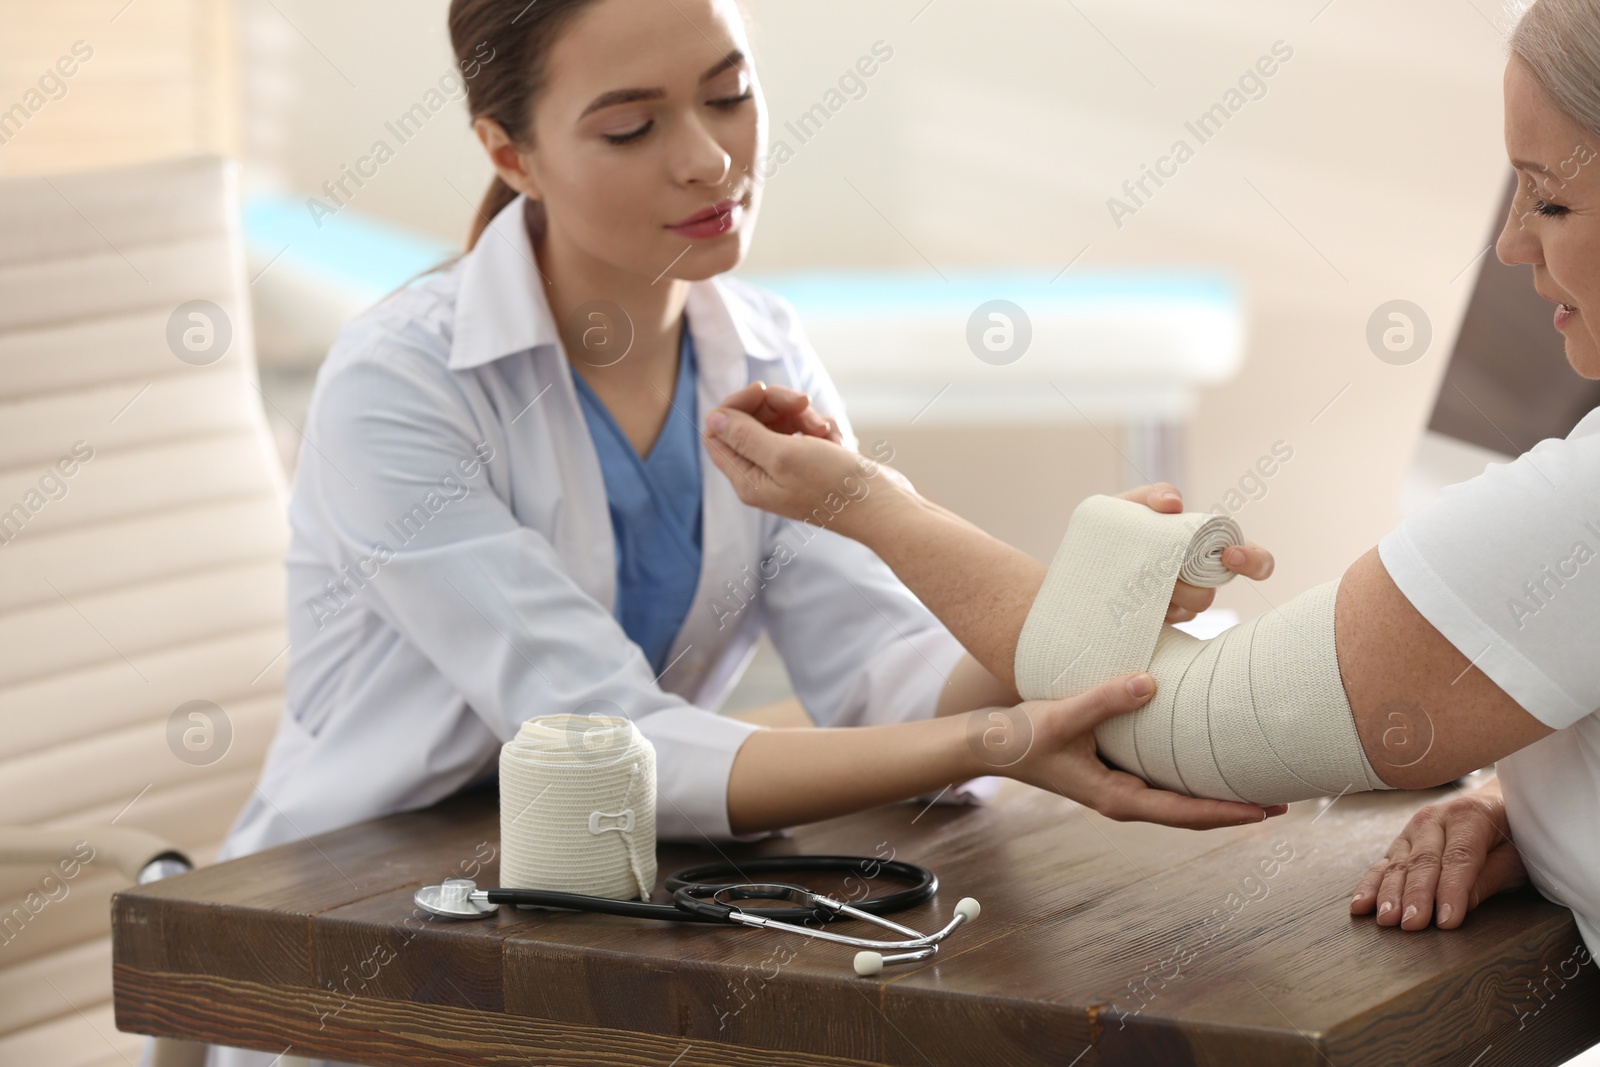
(578, 807)
(1259, 713)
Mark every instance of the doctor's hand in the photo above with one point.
(1059, 754)
(1451, 857)
(1249, 560)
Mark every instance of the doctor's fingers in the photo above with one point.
(1129, 798)
(1117, 794)
(1076, 717)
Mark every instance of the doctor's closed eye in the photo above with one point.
(728, 88)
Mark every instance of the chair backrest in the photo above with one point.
(142, 536)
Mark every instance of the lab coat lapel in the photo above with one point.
(583, 535)
(731, 532)
(503, 310)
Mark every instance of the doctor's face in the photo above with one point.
(1554, 222)
(647, 137)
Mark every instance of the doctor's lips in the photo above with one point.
(714, 221)
(1564, 312)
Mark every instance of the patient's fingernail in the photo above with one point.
(1356, 899)
(1445, 911)
(1236, 556)
(1385, 908)
(1141, 685)
(1411, 913)
(716, 420)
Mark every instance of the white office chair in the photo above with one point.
(142, 535)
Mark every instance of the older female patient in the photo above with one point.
(1421, 618)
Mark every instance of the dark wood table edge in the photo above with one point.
(391, 1033)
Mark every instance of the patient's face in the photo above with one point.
(650, 113)
(1554, 223)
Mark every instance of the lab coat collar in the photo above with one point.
(502, 307)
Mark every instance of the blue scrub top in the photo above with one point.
(654, 502)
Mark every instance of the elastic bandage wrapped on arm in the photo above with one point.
(1257, 714)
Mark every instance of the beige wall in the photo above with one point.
(1367, 172)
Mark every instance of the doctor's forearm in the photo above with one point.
(980, 587)
(785, 777)
(971, 686)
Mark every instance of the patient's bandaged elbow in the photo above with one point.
(1258, 713)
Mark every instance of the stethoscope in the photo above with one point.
(698, 896)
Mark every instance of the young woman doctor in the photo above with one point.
(503, 509)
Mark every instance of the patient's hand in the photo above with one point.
(783, 457)
(1249, 560)
(782, 410)
(1451, 857)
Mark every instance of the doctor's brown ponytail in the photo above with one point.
(501, 47)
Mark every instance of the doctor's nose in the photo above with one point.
(702, 160)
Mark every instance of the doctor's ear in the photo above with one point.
(509, 160)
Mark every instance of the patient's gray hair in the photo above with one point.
(1559, 40)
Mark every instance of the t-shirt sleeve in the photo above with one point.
(1507, 567)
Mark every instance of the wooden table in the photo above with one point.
(1099, 943)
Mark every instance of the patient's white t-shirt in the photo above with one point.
(1507, 567)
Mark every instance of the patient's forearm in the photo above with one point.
(980, 587)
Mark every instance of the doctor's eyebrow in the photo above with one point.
(633, 96)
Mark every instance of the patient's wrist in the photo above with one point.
(871, 513)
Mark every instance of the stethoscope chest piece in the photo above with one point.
(457, 898)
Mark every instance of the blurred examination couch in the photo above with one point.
(1129, 348)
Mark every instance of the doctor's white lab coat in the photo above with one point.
(451, 572)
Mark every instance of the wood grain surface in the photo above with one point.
(1099, 944)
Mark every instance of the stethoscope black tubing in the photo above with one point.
(921, 885)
